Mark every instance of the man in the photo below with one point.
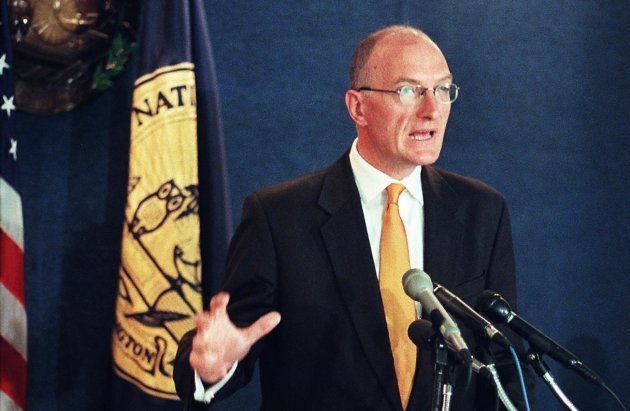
(308, 286)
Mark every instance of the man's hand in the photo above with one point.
(219, 343)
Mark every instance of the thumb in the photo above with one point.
(262, 326)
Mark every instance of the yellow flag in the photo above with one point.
(160, 272)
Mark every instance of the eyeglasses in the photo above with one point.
(414, 95)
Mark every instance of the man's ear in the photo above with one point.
(354, 103)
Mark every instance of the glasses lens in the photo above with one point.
(407, 95)
(447, 93)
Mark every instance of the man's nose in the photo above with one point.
(428, 108)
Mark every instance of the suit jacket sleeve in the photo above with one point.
(250, 278)
(501, 278)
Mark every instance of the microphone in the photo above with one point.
(421, 332)
(471, 317)
(496, 308)
(418, 286)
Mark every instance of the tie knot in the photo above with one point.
(393, 192)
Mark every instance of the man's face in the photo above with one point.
(393, 137)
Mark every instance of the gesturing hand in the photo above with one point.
(219, 343)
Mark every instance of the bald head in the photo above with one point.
(399, 35)
(393, 136)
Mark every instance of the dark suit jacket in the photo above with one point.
(302, 249)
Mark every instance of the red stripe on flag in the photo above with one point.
(12, 373)
(11, 267)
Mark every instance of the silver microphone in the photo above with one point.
(418, 285)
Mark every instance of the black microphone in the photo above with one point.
(418, 286)
(471, 317)
(497, 309)
(421, 332)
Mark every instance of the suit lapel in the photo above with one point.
(443, 229)
(348, 247)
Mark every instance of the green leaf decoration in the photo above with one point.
(119, 52)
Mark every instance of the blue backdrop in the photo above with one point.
(542, 116)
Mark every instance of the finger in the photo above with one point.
(219, 302)
(202, 320)
(218, 307)
(262, 326)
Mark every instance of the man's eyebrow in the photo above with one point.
(448, 77)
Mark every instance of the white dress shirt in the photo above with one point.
(371, 184)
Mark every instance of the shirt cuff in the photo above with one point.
(206, 395)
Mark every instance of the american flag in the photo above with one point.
(12, 301)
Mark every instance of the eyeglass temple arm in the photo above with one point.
(376, 89)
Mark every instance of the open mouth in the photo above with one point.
(422, 135)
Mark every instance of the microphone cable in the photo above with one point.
(489, 370)
(520, 377)
(491, 373)
(607, 388)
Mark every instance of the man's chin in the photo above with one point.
(426, 158)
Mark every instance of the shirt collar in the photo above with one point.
(371, 182)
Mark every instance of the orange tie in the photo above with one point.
(400, 310)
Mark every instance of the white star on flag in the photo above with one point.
(3, 64)
(13, 149)
(7, 105)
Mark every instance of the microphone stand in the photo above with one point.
(537, 363)
(442, 388)
(423, 334)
